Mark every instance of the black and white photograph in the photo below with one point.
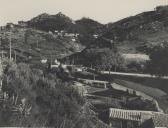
(84, 63)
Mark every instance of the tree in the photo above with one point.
(111, 60)
(158, 61)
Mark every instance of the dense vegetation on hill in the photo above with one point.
(85, 27)
(136, 33)
(60, 22)
(38, 98)
(90, 26)
(57, 22)
(159, 60)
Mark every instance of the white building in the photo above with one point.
(44, 61)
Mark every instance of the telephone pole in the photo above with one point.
(0, 38)
(10, 42)
(10, 47)
(2, 54)
(51, 59)
(15, 56)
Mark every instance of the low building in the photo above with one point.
(69, 35)
(73, 40)
(78, 69)
(75, 35)
(95, 36)
(56, 64)
(136, 57)
(44, 61)
(121, 118)
(56, 31)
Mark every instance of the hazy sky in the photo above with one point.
(102, 10)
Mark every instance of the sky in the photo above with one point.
(104, 11)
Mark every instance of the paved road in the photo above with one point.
(133, 74)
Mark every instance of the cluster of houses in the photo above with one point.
(63, 33)
(56, 64)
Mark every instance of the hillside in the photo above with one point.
(31, 44)
(90, 26)
(60, 21)
(85, 27)
(46, 35)
(137, 33)
(132, 35)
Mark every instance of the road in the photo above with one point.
(133, 74)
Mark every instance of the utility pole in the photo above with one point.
(10, 43)
(1, 44)
(2, 54)
(15, 56)
(51, 59)
(0, 38)
(10, 47)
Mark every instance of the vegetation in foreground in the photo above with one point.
(36, 98)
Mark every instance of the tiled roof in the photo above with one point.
(159, 119)
(125, 114)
